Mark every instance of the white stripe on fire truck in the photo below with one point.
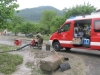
(91, 43)
(95, 43)
(65, 42)
(69, 42)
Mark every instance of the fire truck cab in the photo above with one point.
(78, 32)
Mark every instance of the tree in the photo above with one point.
(47, 17)
(79, 10)
(56, 23)
(16, 24)
(17, 29)
(27, 28)
(7, 9)
(41, 28)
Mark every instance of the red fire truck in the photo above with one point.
(78, 32)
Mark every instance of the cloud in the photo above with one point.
(60, 4)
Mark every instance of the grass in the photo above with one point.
(8, 62)
(6, 47)
(46, 37)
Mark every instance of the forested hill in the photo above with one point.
(34, 14)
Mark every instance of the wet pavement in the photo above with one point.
(91, 58)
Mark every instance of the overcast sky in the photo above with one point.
(59, 4)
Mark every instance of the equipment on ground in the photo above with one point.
(37, 42)
(63, 66)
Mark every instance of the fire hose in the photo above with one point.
(17, 48)
(18, 42)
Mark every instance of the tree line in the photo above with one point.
(34, 14)
(49, 23)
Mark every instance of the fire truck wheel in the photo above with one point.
(68, 49)
(56, 46)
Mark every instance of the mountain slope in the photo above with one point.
(34, 14)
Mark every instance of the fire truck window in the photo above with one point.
(97, 26)
(66, 27)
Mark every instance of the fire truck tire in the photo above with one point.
(56, 46)
(68, 49)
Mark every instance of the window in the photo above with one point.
(65, 27)
(97, 25)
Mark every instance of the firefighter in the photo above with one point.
(40, 40)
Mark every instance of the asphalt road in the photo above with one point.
(91, 59)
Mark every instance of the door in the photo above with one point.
(95, 34)
(66, 34)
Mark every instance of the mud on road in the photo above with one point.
(82, 63)
(33, 57)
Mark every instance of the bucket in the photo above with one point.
(47, 47)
